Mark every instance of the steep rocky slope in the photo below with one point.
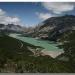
(55, 26)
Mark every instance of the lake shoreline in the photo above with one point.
(49, 48)
(53, 54)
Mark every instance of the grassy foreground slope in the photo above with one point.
(14, 58)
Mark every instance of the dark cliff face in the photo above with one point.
(56, 26)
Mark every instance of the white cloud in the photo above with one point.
(59, 7)
(44, 16)
(12, 20)
(2, 12)
(7, 19)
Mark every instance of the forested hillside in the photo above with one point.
(13, 58)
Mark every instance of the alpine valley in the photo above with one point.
(49, 47)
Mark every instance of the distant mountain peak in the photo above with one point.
(11, 27)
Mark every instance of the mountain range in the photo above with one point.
(11, 28)
(53, 27)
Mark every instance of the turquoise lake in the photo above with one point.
(47, 45)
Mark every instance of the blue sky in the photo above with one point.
(25, 11)
(31, 14)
